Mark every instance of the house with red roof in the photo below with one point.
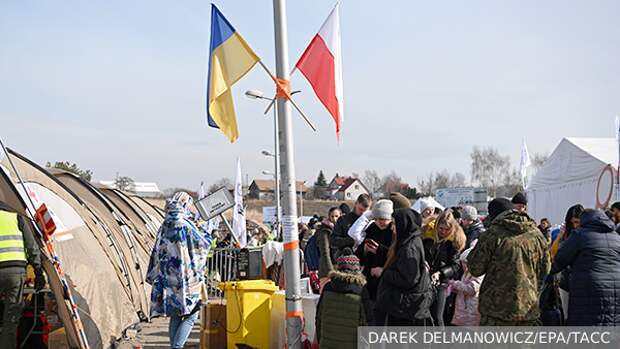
(346, 188)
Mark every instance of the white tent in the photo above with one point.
(576, 169)
(429, 201)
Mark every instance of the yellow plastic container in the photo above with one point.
(248, 312)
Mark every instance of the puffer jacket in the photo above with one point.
(513, 256)
(344, 305)
(593, 253)
(466, 302)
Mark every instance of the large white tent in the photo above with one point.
(576, 170)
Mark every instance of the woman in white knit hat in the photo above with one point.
(374, 247)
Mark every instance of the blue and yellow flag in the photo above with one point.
(230, 58)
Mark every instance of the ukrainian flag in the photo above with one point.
(230, 58)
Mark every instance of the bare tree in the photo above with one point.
(538, 160)
(125, 183)
(392, 183)
(223, 182)
(489, 168)
(458, 180)
(427, 185)
(441, 180)
(373, 182)
(511, 184)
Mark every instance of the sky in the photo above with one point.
(119, 86)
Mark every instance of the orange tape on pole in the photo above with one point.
(291, 314)
(283, 88)
(293, 245)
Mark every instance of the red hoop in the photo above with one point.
(599, 204)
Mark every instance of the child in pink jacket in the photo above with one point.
(466, 290)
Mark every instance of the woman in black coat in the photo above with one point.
(443, 259)
(593, 254)
(404, 288)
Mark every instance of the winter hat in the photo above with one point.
(347, 262)
(424, 204)
(470, 213)
(383, 209)
(344, 208)
(519, 198)
(399, 200)
(497, 207)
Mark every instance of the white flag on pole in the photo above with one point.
(239, 228)
(525, 162)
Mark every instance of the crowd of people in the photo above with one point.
(385, 263)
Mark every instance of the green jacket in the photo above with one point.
(344, 305)
(323, 233)
(513, 256)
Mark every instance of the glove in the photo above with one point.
(39, 279)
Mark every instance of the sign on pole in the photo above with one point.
(215, 204)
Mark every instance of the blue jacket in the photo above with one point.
(593, 253)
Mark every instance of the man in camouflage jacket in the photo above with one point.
(513, 256)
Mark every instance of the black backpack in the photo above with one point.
(550, 303)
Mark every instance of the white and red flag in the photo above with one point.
(321, 64)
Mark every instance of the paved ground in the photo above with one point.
(154, 335)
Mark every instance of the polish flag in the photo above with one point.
(321, 64)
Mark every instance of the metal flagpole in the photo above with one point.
(294, 311)
(276, 135)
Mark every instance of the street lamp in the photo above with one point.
(256, 94)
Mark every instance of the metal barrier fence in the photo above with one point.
(222, 266)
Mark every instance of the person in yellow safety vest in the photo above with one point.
(17, 249)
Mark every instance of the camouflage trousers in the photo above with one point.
(490, 321)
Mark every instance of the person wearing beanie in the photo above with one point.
(376, 237)
(470, 221)
(514, 259)
(344, 304)
(519, 202)
(399, 200)
(498, 206)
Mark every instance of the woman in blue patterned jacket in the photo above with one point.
(177, 269)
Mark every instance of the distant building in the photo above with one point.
(334, 185)
(346, 188)
(263, 189)
(142, 189)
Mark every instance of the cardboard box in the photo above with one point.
(213, 325)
